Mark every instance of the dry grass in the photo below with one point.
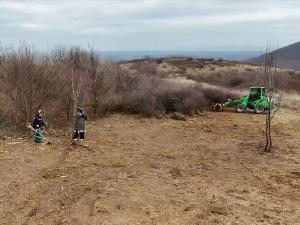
(206, 170)
(226, 74)
(291, 100)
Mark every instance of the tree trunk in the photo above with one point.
(268, 146)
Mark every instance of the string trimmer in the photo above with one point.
(28, 125)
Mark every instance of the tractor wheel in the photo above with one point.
(240, 108)
(218, 107)
(259, 109)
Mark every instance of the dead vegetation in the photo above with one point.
(69, 76)
(66, 77)
(228, 74)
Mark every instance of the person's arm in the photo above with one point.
(41, 123)
(84, 116)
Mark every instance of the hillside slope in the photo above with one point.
(216, 72)
(288, 56)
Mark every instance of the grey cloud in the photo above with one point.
(141, 25)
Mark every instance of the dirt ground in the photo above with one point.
(206, 170)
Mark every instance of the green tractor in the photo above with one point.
(256, 100)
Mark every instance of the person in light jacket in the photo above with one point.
(79, 131)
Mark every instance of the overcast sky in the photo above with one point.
(151, 24)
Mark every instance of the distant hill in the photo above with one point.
(130, 55)
(288, 57)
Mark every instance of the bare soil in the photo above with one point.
(209, 169)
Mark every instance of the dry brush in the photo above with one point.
(67, 77)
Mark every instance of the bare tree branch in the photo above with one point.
(271, 78)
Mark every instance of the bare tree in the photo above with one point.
(125, 81)
(73, 65)
(271, 78)
(100, 80)
(78, 61)
(275, 86)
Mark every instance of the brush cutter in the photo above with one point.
(28, 125)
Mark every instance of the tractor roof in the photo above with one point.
(257, 87)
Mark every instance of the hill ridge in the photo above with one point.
(287, 56)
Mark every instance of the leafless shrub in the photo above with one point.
(179, 116)
(236, 81)
(183, 100)
(30, 81)
(204, 59)
(73, 64)
(159, 61)
(186, 63)
(165, 65)
(183, 68)
(216, 95)
(147, 68)
(196, 78)
(98, 83)
(222, 63)
(200, 65)
(71, 76)
(163, 74)
(291, 84)
(212, 68)
(249, 69)
(150, 69)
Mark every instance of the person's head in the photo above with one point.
(79, 109)
(39, 113)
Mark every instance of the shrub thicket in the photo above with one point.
(59, 81)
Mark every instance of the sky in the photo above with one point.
(151, 25)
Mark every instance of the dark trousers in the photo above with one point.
(80, 134)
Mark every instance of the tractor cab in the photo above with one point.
(256, 93)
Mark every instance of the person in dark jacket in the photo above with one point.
(38, 125)
(38, 121)
(80, 118)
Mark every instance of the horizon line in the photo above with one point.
(178, 50)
